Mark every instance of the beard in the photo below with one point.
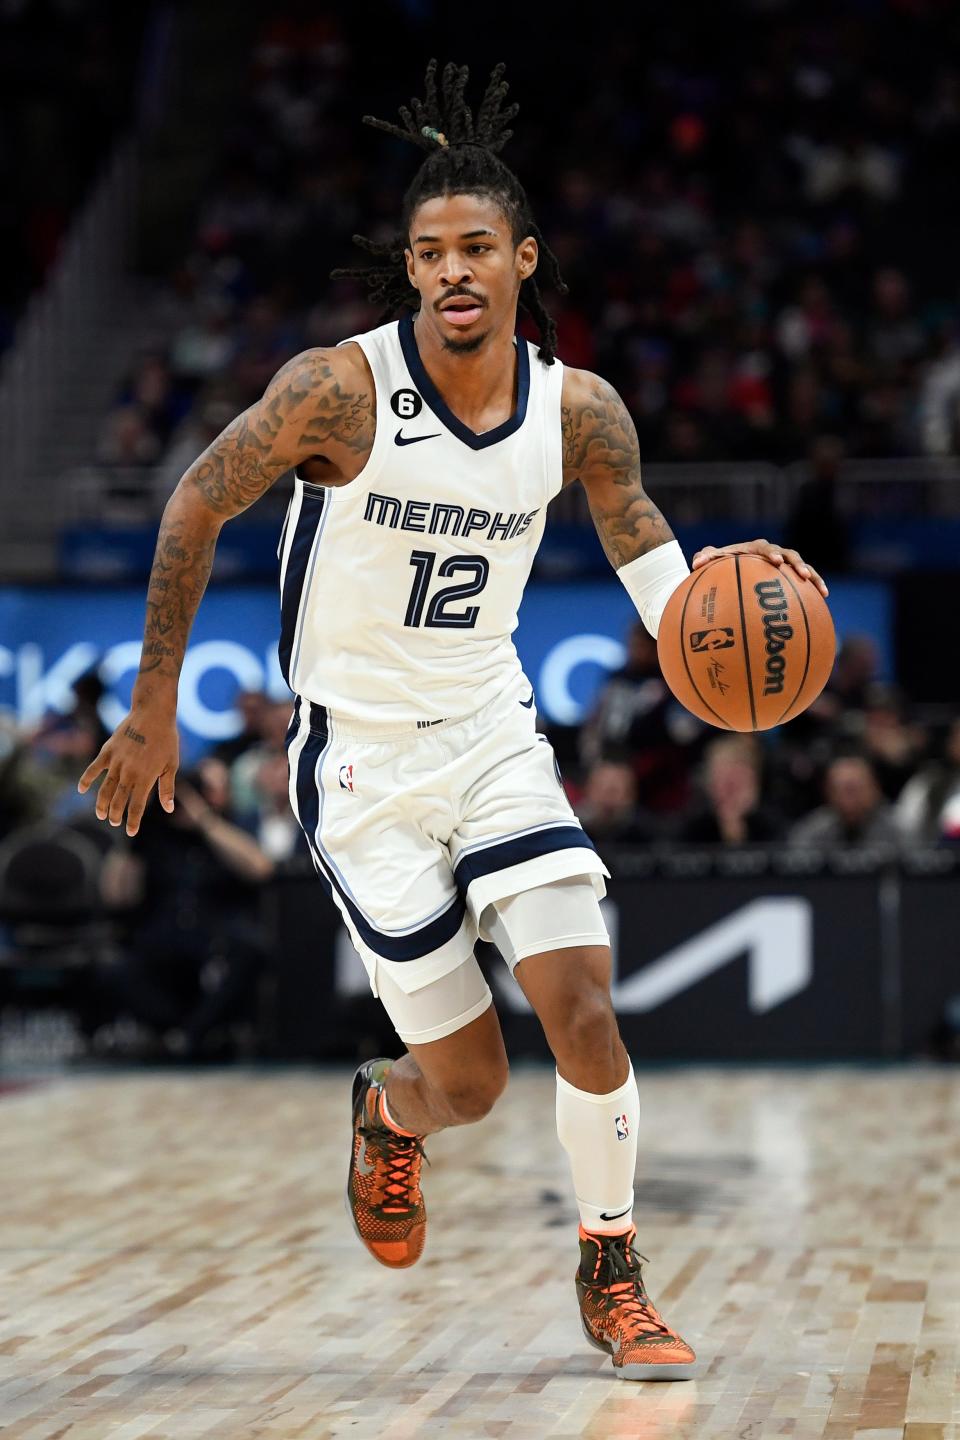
(465, 347)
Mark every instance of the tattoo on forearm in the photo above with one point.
(181, 569)
(600, 449)
(243, 463)
(132, 734)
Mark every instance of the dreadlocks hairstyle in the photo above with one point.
(462, 153)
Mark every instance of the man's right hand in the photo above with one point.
(142, 752)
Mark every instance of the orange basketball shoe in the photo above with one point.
(383, 1184)
(618, 1315)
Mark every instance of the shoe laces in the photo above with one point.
(400, 1156)
(624, 1291)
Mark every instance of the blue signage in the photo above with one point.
(570, 637)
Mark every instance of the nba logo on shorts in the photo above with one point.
(621, 1123)
(346, 778)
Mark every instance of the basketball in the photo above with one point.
(745, 644)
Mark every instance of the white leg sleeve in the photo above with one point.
(438, 1008)
(558, 916)
(599, 1133)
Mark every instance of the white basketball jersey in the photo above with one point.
(400, 590)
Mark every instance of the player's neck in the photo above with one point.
(473, 385)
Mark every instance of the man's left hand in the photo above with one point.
(776, 554)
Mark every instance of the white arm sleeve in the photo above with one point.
(651, 579)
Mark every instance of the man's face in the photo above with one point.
(611, 789)
(462, 259)
(852, 790)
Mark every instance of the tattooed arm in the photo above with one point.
(600, 449)
(319, 406)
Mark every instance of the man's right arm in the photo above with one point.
(319, 403)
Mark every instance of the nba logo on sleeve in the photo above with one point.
(346, 778)
(622, 1129)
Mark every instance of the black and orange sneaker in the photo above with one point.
(383, 1183)
(618, 1315)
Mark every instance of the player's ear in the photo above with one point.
(408, 257)
(527, 255)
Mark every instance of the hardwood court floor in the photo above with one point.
(175, 1262)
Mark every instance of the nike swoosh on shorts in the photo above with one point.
(526, 703)
(401, 439)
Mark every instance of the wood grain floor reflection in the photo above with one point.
(175, 1262)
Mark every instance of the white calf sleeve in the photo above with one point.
(599, 1133)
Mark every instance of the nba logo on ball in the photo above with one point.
(718, 639)
(621, 1123)
(346, 778)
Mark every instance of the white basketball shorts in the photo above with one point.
(416, 829)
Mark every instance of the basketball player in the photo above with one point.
(426, 452)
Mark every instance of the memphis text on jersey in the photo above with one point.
(434, 518)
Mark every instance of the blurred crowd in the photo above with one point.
(68, 76)
(181, 901)
(857, 769)
(750, 206)
(166, 926)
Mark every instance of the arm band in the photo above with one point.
(651, 579)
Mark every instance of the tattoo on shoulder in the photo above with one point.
(243, 463)
(598, 433)
(600, 449)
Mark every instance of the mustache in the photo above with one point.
(459, 294)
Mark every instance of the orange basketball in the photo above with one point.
(744, 644)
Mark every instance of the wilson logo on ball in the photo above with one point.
(776, 632)
(720, 638)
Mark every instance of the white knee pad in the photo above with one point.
(438, 1008)
(551, 917)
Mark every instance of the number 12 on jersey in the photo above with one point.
(438, 615)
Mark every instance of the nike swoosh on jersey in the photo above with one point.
(526, 703)
(401, 439)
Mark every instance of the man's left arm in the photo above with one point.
(600, 449)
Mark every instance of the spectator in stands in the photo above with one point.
(151, 389)
(854, 671)
(925, 797)
(608, 805)
(273, 722)
(254, 707)
(127, 437)
(816, 520)
(190, 880)
(202, 349)
(894, 745)
(855, 812)
(277, 831)
(939, 401)
(22, 792)
(63, 742)
(731, 812)
(636, 714)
